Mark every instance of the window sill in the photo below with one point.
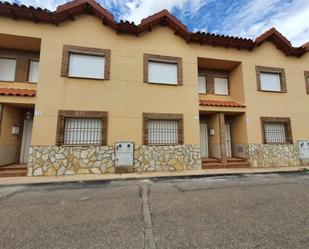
(213, 94)
(164, 84)
(82, 145)
(221, 94)
(85, 78)
(277, 143)
(268, 91)
(163, 144)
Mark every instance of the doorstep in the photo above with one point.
(32, 180)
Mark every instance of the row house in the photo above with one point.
(82, 93)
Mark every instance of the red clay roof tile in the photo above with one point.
(17, 92)
(220, 103)
(71, 9)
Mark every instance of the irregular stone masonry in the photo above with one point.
(66, 160)
(265, 155)
(166, 158)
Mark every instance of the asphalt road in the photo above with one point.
(253, 211)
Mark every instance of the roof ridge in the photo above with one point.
(69, 10)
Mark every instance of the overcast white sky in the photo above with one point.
(246, 18)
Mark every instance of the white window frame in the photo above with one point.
(13, 71)
(33, 77)
(75, 73)
(264, 82)
(202, 84)
(224, 90)
(172, 81)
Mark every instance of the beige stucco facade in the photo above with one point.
(126, 97)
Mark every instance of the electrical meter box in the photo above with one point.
(304, 149)
(124, 154)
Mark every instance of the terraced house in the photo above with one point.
(82, 93)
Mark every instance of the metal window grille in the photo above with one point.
(275, 133)
(163, 132)
(83, 131)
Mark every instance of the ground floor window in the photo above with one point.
(82, 128)
(276, 130)
(162, 129)
(82, 131)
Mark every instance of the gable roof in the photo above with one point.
(69, 10)
(280, 42)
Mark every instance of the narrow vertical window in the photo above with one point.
(202, 84)
(7, 69)
(221, 86)
(34, 71)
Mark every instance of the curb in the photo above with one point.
(156, 178)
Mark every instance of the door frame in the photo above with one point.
(228, 145)
(24, 137)
(207, 139)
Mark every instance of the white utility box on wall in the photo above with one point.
(304, 149)
(15, 130)
(124, 154)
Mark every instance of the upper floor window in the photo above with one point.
(7, 69)
(221, 86)
(307, 81)
(82, 128)
(270, 82)
(33, 71)
(202, 84)
(86, 66)
(214, 82)
(276, 130)
(162, 69)
(271, 79)
(83, 62)
(162, 129)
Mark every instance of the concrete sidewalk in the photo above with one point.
(109, 177)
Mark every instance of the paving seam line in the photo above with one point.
(149, 241)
